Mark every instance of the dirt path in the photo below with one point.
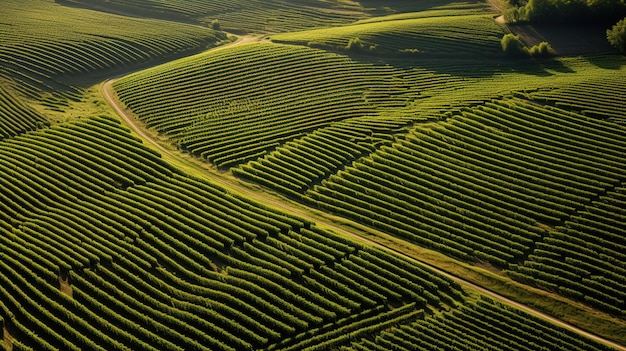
(235, 186)
(7, 339)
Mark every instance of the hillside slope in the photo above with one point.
(106, 246)
(49, 53)
(454, 154)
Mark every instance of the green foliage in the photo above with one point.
(515, 15)
(398, 188)
(512, 46)
(479, 323)
(391, 35)
(567, 11)
(236, 121)
(215, 24)
(16, 117)
(157, 248)
(160, 260)
(74, 42)
(240, 16)
(542, 49)
(617, 36)
(355, 45)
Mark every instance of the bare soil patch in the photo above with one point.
(545, 226)
(7, 339)
(64, 285)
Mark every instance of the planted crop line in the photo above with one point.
(289, 206)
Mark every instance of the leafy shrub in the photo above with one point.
(515, 15)
(542, 50)
(355, 44)
(215, 24)
(513, 46)
(567, 11)
(617, 36)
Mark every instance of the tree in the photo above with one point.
(215, 24)
(606, 11)
(512, 46)
(543, 49)
(617, 36)
(538, 10)
(355, 44)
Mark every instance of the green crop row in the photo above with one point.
(297, 165)
(168, 261)
(341, 334)
(72, 43)
(217, 106)
(584, 258)
(594, 97)
(473, 34)
(466, 188)
(243, 16)
(15, 117)
(481, 325)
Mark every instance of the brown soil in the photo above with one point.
(64, 285)
(7, 339)
(545, 226)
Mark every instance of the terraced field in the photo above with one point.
(44, 46)
(179, 262)
(231, 106)
(593, 97)
(516, 166)
(16, 117)
(129, 230)
(442, 33)
(254, 16)
(481, 325)
(488, 184)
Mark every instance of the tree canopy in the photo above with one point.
(617, 35)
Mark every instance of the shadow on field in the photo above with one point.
(490, 67)
(388, 7)
(567, 40)
(607, 62)
(114, 8)
(471, 67)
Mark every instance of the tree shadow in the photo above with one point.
(567, 40)
(613, 62)
(469, 67)
(556, 66)
(388, 7)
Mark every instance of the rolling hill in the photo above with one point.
(402, 131)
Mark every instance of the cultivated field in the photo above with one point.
(359, 150)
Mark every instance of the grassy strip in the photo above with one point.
(569, 311)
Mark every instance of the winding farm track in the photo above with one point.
(232, 185)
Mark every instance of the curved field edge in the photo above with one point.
(530, 87)
(572, 312)
(123, 183)
(273, 16)
(153, 223)
(139, 242)
(81, 47)
(475, 35)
